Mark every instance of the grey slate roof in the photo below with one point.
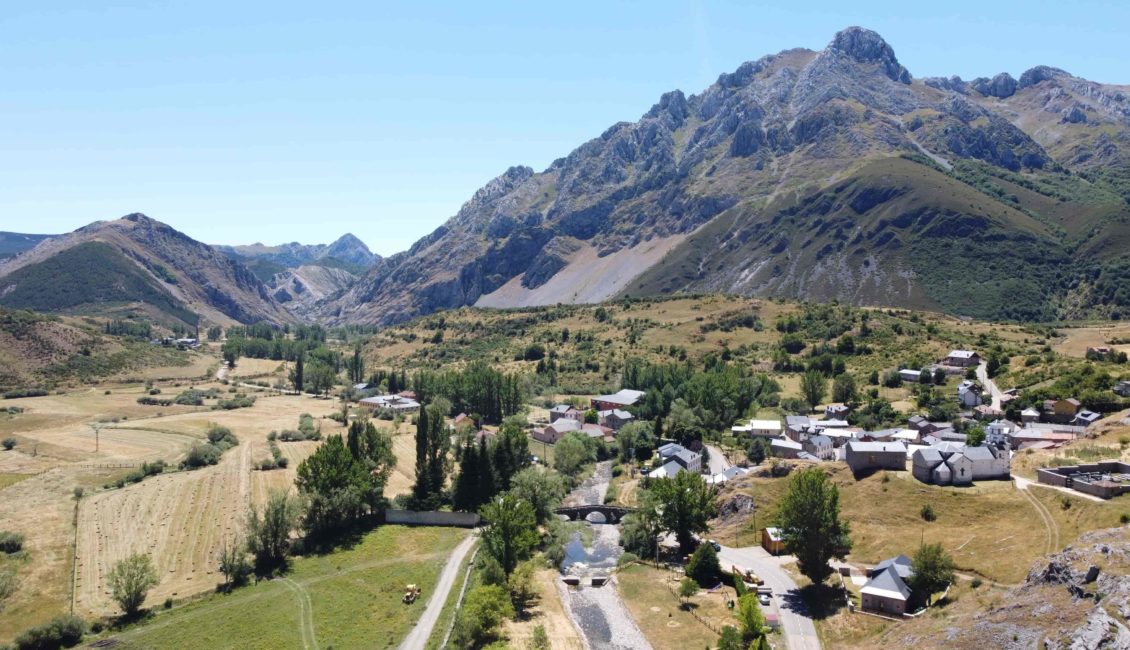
(888, 580)
(928, 457)
(859, 446)
(901, 563)
(978, 453)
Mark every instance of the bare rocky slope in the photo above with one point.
(811, 175)
(1078, 599)
(136, 265)
(299, 289)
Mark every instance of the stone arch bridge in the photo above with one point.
(611, 514)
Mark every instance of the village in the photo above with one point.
(978, 446)
(995, 477)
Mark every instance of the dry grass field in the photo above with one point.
(657, 611)
(548, 612)
(182, 519)
(991, 529)
(1076, 340)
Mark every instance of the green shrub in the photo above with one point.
(240, 401)
(928, 513)
(704, 566)
(11, 542)
(9, 443)
(221, 437)
(25, 392)
(61, 632)
(626, 559)
(976, 583)
(201, 455)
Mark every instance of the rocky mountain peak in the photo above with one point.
(349, 248)
(866, 46)
(1035, 75)
(1002, 86)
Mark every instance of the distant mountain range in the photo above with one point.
(809, 175)
(139, 266)
(348, 253)
(830, 175)
(14, 243)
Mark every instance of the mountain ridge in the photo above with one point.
(132, 265)
(778, 134)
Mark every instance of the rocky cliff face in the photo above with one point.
(763, 147)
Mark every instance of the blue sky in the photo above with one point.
(281, 121)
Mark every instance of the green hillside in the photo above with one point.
(973, 241)
(91, 273)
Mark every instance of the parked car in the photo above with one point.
(763, 599)
(716, 545)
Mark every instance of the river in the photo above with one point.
(601, 616)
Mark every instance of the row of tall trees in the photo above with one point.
(433, 440)
(487, 466)
(477, 389)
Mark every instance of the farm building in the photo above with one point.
(1122, 388)
(785, 448)
(564, 411)
(1038, 432)
(886, 590)
(395, 403)
(618, 400)
(836, 411)
(912, 376)
(556, 430)
(868, 456)
(962, 358)
(969, 393)
(1086, 418)
(615, 418)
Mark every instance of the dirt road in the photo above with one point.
(418, 637)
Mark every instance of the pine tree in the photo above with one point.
(420, 489)
(487, 480)
(298, 372)
(463, 495)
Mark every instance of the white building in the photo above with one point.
(758, 429)
(394, 403)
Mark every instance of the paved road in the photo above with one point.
(989, 384)
(799, 630)
(418, 637)
(718, 462)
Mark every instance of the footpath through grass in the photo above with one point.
(346, 599)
